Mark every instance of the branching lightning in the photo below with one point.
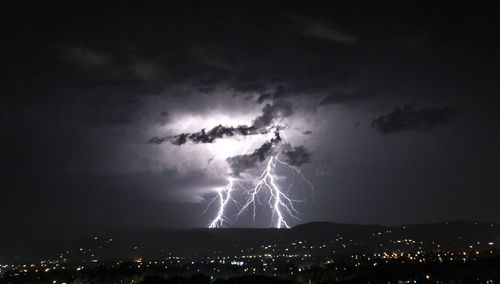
(278, 201)
(224, 196)
(267, 184)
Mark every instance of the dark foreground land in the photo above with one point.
(480, 271)
(456, 252)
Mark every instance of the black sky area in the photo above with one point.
(395, 106)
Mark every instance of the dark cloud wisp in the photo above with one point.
(210, 136)
(296, 156)
(409, 118)
(241, 163)
(260, 125)
(270, 112)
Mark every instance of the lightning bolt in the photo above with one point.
(281, 205)
(224, 195)
(278, 201)
(298, 172)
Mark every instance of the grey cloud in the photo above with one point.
(409, 118)
(86, 56)
(335, 97)
(241, 163)
(210, 136)
(258, 66)
(206, 90)
(122, 66)
(270, 112)
(280, 93)
(210, 58)
(147, 71)
(322, 30)
(343, 96)
(221, 132)
(296, 156)
(263, 97)
(164, 117)
(254, 60)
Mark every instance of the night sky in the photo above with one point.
(391, 111)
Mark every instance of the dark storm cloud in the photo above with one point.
(263, 53)
(241, 163)
(263, 97)
(118, 66)
(270, 112)
(210, 136)
(332, 98)
(177, 140)
(86, 56)
(409, 118)
(279, 93)
(318, 29)
(296, 156)
(342, 97)
(164, 117)
(221, 132)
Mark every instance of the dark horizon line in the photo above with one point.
(318, 222)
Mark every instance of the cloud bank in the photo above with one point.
(408, 118)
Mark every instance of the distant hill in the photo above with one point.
(337, 238)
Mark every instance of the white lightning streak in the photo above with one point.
(299, 172)
(281, 205)
(224, 197)
(278, 201)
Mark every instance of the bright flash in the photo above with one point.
(281, 205)
(224, 197)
